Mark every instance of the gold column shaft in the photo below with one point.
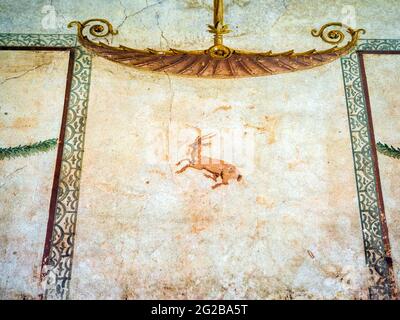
(218, 20)
(218, 11)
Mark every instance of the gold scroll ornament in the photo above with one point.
(218, 61)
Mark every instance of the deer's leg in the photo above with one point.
(213, 177)
(178, 163)
(183, 169)
(225, 181)
(218, 185)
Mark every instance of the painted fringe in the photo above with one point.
(27, 150)
(387, 150)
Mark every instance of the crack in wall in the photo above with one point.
(10, 175)
(162, 36)
(286, 5)
(24, 73)
(128, 16)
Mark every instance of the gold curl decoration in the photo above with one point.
(336, 36)
(98, 28)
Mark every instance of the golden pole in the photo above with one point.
(219, 28)
(218, 12)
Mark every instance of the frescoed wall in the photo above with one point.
(116, 203)
(385, 114)
(280, 224)
(32, 97)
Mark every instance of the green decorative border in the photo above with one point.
(57, 270)
(37, 40)
(63, 238)
(375, 255)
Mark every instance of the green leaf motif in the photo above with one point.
(387, 150)
(27, 150)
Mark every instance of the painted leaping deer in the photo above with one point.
(215, 168)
